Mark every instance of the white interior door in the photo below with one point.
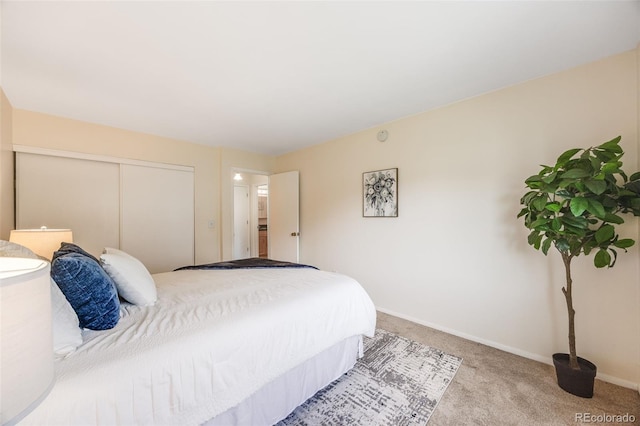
(241, 234)
(284, 231)
(157, 210)
(81, 195)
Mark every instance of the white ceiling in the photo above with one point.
(273, 77)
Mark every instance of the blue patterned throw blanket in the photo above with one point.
(252, 262)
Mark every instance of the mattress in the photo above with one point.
(212, 339)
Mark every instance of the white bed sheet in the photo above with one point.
(212, 339)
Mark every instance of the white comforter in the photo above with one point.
(212, 339)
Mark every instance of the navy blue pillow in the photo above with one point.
(66, 248)
(89, 290)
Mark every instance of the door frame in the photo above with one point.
(227, 208)
(255, 233)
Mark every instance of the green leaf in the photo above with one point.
(576, 245)
(541, 221)
(562, 244)
(556, 224)
(526, 198)
(633, 186)
(546, 244)
(596, 186)
(613, 167)
(612, 218)
(554, 207)
(539, 203)
(612, 145)
(549, 178)
(596, 208)
(624, 243)
(566, 156)
(605, 233)
(602, 258)
(578, 222)
(533, 179)
(595, 163)
(578, 205)
(608, 202)
(604, 156)
(575, 174)
(590, 245)
(635, 176)
(535, 241)
(564, 194)
(634, 203)
(574, 231)
(617, 139)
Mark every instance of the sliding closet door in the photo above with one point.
(157, 211)
(59, 192)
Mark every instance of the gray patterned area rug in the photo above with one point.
(397, 382)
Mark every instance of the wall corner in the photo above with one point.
(7, 203)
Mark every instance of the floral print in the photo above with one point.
(380, 193)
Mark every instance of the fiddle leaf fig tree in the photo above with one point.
(575, 206)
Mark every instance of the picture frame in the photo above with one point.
(380, 193)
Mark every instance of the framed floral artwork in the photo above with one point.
(380, 193)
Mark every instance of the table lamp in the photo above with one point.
(43, 241)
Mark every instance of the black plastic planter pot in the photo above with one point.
(576, 382)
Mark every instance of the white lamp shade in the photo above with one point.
(26, 338)
(43, 241)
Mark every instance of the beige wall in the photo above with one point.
(46, 131)
(6, 168)
(213, 167)
(456, 258)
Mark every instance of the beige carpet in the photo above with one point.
(493, 387)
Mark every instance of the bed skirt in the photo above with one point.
(278, 398)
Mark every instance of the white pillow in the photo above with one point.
(67, 335)
(133, 280)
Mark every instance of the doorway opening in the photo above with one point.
(250, 215)
(263, 235)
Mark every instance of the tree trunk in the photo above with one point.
(567, 291)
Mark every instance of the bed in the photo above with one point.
(218, 346)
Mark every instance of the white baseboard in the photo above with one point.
(536, 357)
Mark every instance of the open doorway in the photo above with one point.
(250, 218)
(263, 235)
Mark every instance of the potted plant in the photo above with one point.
(575, 206)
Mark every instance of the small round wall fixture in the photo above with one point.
(382, 135)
